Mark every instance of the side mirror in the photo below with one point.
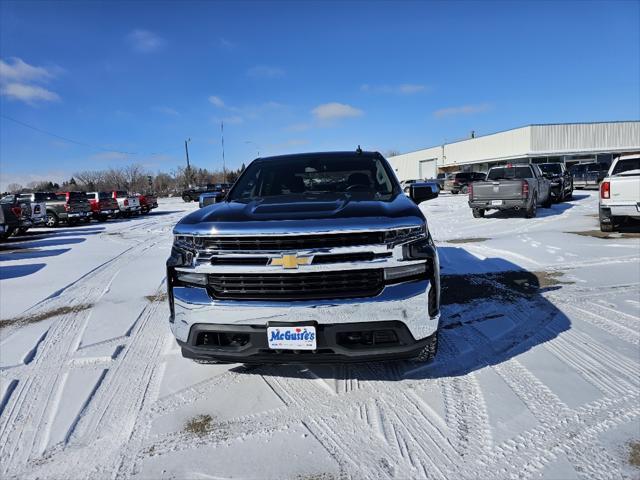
(421, 192)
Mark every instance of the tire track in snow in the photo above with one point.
(19, 446)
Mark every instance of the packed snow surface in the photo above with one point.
(537, 375)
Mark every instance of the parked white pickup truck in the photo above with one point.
(127, 204)
(620, 192)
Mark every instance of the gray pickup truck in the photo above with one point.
(69, 207)
(511, 187)
(316, 257)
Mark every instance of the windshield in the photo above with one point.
(77, 196)
(364, 177)
(554, 168)
(43, 197)
(509, 173)
(628, 165)
(121, 194)
(463, 176)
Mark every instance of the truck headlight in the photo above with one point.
(193, 278)
(403, 235)
(183, 251)
(397, 273)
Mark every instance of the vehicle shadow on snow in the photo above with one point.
(556, 209)
(16, 271)
(8, 253)
(487, 318)
(53, 233)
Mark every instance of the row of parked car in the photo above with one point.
(21, 211)
(525, 187)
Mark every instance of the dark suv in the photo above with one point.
(561, 180)
(459, 181)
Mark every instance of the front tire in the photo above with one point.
(607, 227)
(187, 198)
(22, 230)
(547, 202)
(465, 190)
(52, 220)
(478, 212)
(428, 353)
(102, 218)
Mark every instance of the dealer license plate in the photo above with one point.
(496, 202)
(292, 338)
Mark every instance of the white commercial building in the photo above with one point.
(570, 143)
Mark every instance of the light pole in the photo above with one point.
(255, 145)
(186, 149)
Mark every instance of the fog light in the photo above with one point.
(394, 273)
(195, 278)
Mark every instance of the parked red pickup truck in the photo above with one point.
(148, 202)
(103, 205)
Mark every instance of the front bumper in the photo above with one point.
(405, 305)
(335, 344)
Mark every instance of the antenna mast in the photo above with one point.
(224, 169)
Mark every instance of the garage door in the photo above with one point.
(427, 168)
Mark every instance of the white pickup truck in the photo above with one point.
(127, 204)
(620, 192)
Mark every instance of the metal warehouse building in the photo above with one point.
(570, 143)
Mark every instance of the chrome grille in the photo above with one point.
(297, 286)
(296, 242)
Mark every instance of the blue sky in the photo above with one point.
(130, 81)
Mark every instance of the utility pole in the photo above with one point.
(224, 169)
(186, 149)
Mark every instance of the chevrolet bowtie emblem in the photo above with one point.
(290, 261)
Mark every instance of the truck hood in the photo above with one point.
(301, 214)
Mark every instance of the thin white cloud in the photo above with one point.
(109, 156)
(24, 178)
(247, 112)
(167, 111)
(20, 71)
(462, 110)
(401, 89)
(144, 41)
(217, 101)
(298, 127)
(18, 79)
(335, 111)
(265, 71)
(226, 44)
(233, 119)
(30, 94)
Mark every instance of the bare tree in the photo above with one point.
(14, 188)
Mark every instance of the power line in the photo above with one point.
(76, 142)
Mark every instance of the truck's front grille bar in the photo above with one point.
(296, 242)
(297, 286)
(317, 259)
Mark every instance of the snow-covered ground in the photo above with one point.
(537, 376)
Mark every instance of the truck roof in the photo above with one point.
(344, 155)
